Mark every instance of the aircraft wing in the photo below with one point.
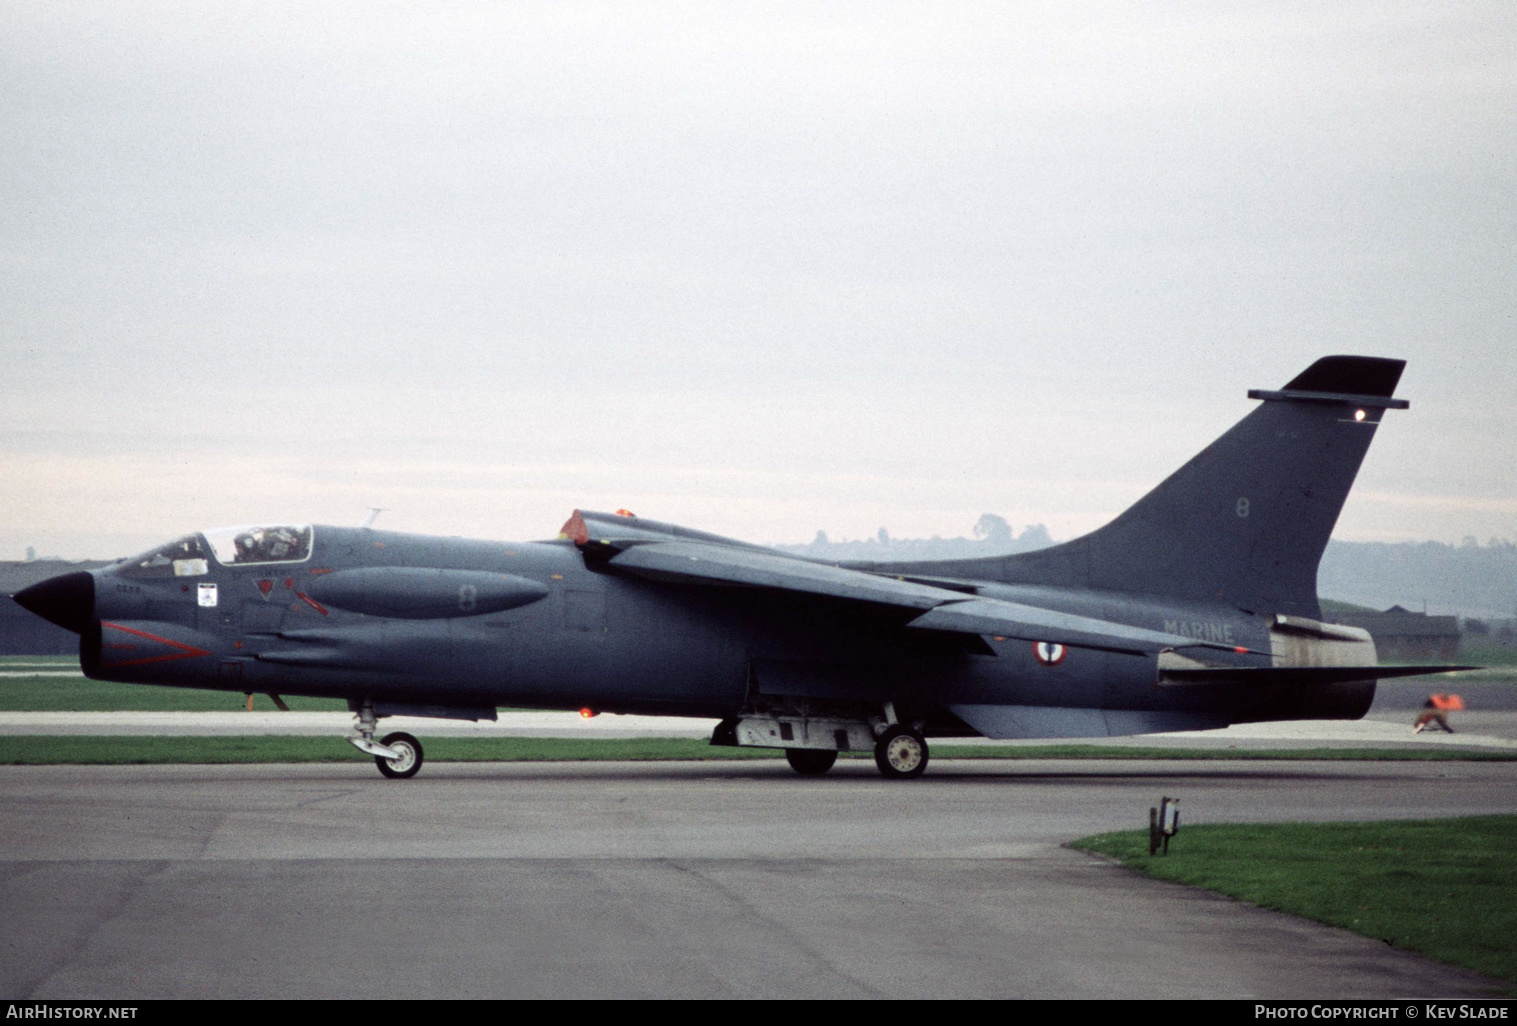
(1001, 618)
(940, 608)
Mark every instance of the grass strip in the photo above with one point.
(80, 694)
(77, 693)
(1446, 888)
(1487, 655)
(38, 749)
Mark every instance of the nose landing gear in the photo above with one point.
(407, 759)
(397, 755)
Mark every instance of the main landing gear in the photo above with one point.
(810, 762)
(813, 731)
(397, 755)
(901, 753)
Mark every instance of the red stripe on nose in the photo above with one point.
(176, 649)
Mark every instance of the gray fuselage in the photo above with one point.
(586, 637)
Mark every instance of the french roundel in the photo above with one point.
(1048, 653)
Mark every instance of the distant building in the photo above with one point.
(1404, 636)
(23, 633)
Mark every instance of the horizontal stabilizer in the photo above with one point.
(1305, 676)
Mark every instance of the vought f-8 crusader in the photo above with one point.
(1196, 608)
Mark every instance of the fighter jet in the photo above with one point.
(1194, 609)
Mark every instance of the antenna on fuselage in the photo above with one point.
(374, 512)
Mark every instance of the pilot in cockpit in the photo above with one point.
(247, 548)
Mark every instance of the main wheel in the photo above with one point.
(810, 762)
(408, 762)
(901, 753)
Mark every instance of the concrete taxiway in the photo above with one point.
(692, 879)
(1490, 730)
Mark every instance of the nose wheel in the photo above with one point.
(407, 758)
(397, 755)
(901, 753)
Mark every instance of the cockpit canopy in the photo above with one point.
(231, 546)
(235, 546)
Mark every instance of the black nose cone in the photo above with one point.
(67, 600)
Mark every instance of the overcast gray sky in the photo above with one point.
(761, 269)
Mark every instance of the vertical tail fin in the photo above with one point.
(1245, 521)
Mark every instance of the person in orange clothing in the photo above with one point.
(1436, 710)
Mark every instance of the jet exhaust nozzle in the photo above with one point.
(67, 600)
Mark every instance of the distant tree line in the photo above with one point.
(1469, 579)
(990, 536)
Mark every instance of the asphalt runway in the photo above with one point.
(674, 880)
